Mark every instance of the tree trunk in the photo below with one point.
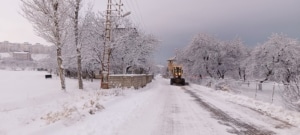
(288, 76)
(269, 73)
(244, 75)
(59, 46)
(60, 68)
(79, 71)
(240, 73)
(207, 71)
(78, 48)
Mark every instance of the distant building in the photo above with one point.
(4, 46)
(22, 56)
(27, 47)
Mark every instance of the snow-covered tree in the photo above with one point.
(277, 59)
(229, 57)
(199, 55)
(92, 41)
(208, 56)
(50, 20)
(234, 52)
(132, 49)
(246, 65)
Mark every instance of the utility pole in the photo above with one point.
(107, 41)
(107, 50)
(119, 6)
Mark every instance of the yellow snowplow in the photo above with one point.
(176, 73)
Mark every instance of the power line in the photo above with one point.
(126, 3)
(142, 19)
(136, 16)
(137, 13)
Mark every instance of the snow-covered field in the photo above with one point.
(5, 55)
(31, 104)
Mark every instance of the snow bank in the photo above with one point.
(268, 109)
(272, 110)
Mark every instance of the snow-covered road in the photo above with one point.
(175, 110)
(180, 110)
(171, 111)
(157, 109)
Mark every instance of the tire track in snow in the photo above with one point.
(170, 109)
(284, 124)
(182, 116)
(238, 127)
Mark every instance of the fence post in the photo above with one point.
(260, 86)
(123, 83)
(273, 92)
(256, 89)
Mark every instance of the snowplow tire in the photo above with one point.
(183, 82)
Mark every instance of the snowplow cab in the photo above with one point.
(177, 72)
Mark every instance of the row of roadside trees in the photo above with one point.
(78, 38)
(277, 59)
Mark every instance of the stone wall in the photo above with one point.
(127, 81)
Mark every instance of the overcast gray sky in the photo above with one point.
(175, 22)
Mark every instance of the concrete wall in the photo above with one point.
(128, 81)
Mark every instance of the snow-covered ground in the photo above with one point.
(5, 55)
(37, 57)
(31, 104)
(270, 93)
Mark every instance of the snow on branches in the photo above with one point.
(207, 56)
(277, 59)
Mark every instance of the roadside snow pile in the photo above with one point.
(80, 104)
(268, 109)
(222, 84)
(76, 107)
